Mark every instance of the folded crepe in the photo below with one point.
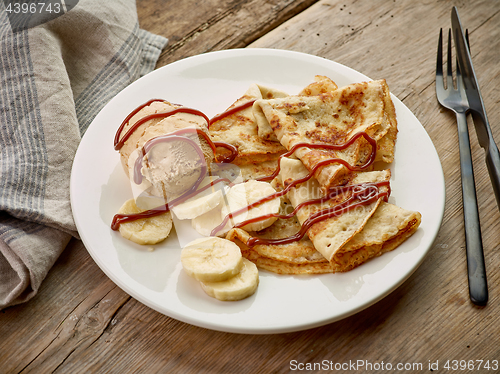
(257, 153)
(321, 85)
(299, 257)
(360, 224)
(368, 229)
(336, 244)
(256, 156)
(334, 117)
(294, 258)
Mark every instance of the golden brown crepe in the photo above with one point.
(264, 256)
(257, 154)
(321, 85)
(335, 244)
(333, 118)
(298, 257)
(371, 227)
(324, 113)
(289, 258)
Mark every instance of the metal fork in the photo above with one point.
(455, 99)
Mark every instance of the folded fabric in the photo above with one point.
(54, 79)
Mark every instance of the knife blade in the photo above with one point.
(476, 104)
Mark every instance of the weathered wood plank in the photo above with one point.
(75, 304)
(195, 27)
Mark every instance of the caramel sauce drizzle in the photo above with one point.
(334, 147)
(175, 135)
(359, 191)
(329, 212)
(122, 218)
(231, 111)
(118, 143)
(303, 179)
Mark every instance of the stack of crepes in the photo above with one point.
(350, 180)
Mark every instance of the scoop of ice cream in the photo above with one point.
(173, 167)
(170, 168)
(157, 127)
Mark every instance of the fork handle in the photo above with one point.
(476, 270)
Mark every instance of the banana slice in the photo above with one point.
(211, 259)
(205, 223)
(145, 231)
(240, 286)
(243, 194)
(146, 201)
(200, 203)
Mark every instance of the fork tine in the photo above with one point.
(439, 62)
(449, 67)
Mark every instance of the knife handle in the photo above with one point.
(476, 270)
(493, 164)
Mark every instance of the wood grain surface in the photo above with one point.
(81, 322)
(195, 27)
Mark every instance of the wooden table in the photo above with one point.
(81, 322)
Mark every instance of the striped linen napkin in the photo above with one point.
(55, 76)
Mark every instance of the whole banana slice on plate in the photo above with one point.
(240, 286)
(219, 266)
(235, 201)
(241, 195)
(145, 231)
(211, 259)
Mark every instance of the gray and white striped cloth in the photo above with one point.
(54, 78)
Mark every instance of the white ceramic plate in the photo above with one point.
(210, 83)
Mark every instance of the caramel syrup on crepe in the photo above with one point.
(283, 192)
(364, 193)
(230, 111)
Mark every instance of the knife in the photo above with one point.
(476, 105)
(478, 288)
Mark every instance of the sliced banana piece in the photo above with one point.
(238, 287)
(200, 203)
(211, 259)
(145, 231)
(205, 223)
(146, 201)
(241, 195)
